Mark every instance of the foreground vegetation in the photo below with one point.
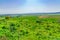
(30, 28)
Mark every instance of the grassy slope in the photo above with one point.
(30, 28)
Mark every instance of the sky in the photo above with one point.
(29, 6)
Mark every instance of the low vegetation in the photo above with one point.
(30, 27)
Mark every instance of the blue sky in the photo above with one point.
(29, 6)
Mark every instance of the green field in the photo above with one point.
(30, 27)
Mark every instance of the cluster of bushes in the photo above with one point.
(29, 28)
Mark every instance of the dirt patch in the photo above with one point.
(43, 16)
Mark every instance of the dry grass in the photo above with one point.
(43, 16)
(49, 16)
(3, 38)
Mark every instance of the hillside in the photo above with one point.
(30, 27)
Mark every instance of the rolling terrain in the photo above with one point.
(30, 27)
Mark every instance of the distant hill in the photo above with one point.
(58, 12)
(50, 13)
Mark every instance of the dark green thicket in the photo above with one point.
(22, 32)
(18, 25)
(12, 27)
(12, 24)
(7, 17)
(3, 27)
(38, 21)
